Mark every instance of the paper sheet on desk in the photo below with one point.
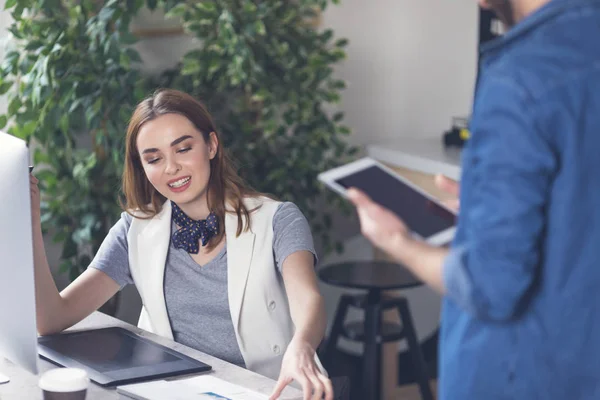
(199, 387)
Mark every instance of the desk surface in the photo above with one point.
(24, 385)
(427, 155)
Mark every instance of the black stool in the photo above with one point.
(375, 277)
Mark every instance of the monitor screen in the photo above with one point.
(18, 335)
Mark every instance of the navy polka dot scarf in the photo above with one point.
(191, 231)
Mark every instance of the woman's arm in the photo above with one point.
(57, 311)
(308, 314)
(306, 303)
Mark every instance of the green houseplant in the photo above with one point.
(72, 78)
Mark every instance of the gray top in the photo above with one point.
(196, 296)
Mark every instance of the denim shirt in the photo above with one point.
(521, 316)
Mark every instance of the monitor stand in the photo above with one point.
(4, 379)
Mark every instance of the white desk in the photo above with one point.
(24, 385)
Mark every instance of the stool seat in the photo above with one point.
(375, 277)
(381, 275)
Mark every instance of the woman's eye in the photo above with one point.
(154, 160)
(184, 150)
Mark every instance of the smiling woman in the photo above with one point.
(219, 266)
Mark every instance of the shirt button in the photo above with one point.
(272, 305)
(276, 349)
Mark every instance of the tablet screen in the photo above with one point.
(421, 215)
(113, 356)
(107, 350)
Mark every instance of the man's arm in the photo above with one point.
(510, 167)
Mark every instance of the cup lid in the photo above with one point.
(64, 380)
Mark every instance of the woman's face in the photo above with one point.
(176, 158)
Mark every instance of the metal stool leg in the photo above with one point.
(415, 350)
(372, 352)
(337, 327)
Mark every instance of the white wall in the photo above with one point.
(411, 65)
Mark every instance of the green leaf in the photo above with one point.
(9, 4)
(40, 157)
(341, 43)
(5, 87)
(14, 105)
(259, 28)
(191, 67)
(344, 130)
(177, 11)
(10, 61)
(18, 11)
(106, 13)
(327, 35)
(76, 103)
(338, 84)
(249, 7)
(3, 120)
(97, 105)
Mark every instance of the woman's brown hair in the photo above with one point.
(224, 184)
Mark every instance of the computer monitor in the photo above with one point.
(110, 355)
(18, 330)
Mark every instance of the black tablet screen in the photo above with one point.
(107, 350)
(420, 214)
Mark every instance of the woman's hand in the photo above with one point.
(382, 227)
(299, 365)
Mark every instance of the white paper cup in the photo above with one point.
(64, 384)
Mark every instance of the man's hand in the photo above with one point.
(386, 231)
(452, 187)
(299, 365)
(381, 226)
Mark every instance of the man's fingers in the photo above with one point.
(452, 204)
(362, 201)
(447, 185)
(281, 384)
(358, 197)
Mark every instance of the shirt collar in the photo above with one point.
(529, 23)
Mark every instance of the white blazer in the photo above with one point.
(257, 299)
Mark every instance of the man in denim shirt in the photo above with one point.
(521, 313)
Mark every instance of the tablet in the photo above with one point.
(428, 219)
(114, 356)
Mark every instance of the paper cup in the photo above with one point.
(64, 384)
